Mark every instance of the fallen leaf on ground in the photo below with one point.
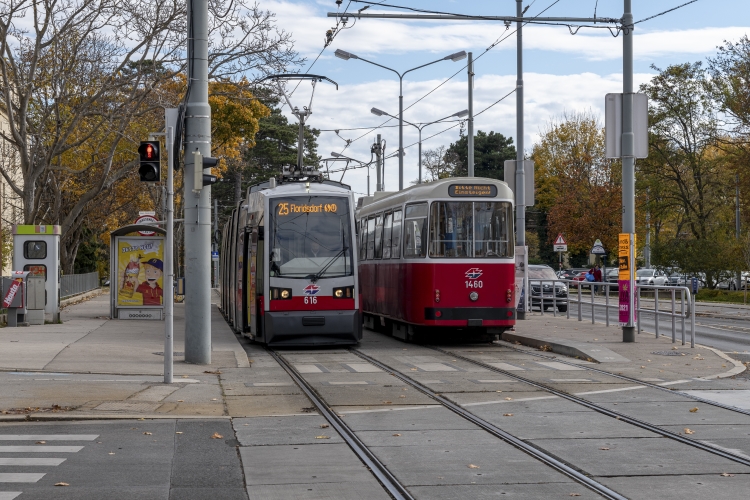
(388, 402)
(402, 396)
(216, 435)
(575, 494)
(111, 452)
(498, 391)
(214, 399)
(215, 372)
(413, 369)
(147, 433)
(66, 484)
(693, 410)
(322, 437)
(688, 431)
(472, 466)
(397, 435)
(507, 414)
(643, 366)
(604, 448)
(180, 400)
(726, 474)
(184, 376)
(323, 426)
(41, 442)
(178, 432)
(674, 348)
(509, 399)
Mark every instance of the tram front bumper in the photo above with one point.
(308, 328)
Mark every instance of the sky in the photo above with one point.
(563, 73)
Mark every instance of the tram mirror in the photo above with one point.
(276, 254)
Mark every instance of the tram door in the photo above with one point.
(255, 281)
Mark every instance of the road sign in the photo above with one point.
(694, 282)
(214, 255)
(560, 244)
(598, 248)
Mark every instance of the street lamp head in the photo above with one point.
(461, 114)
(456, 57)
(378, 112)
(342, 54)
(336, 155)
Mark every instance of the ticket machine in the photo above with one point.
(36, 249)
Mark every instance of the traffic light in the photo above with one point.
(150, 169)
(200, 179)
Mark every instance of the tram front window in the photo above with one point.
(466, 229)
(310, 236)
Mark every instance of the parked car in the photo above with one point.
(546, 291)
(613, 276)
(566, 274)
(650, 277)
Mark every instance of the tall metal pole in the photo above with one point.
(170, 120)
(647, 248)
(737, 222)
(520, 180)
(197, 205)
(214, 247)
(470, 159)
(628, 159)
(379, 155)
(400, 132)
(420, 154)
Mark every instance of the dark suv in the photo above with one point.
(545, 291)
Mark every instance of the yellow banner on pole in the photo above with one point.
(624, 255)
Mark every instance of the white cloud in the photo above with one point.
(547, 97)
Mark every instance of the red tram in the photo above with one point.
(438, 258)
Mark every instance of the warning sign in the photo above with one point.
(560, 244)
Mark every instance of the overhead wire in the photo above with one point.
(665, 12)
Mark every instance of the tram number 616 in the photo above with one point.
(474, 284)
(311, 300)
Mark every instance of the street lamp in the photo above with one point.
(361, 163)
(342, 54)
(460, 114)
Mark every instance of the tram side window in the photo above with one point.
(415, 232)
(387, 226)
(378, 236)
(362, 239)
(396, 235)
(371, 238)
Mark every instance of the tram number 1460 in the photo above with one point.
(474, 284)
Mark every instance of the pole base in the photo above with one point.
(628, 334)
(520, 315)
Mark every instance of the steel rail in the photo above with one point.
(600, 409)
(637, 381)
(381, 472)
(514, 441)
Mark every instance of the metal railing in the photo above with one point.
(547, 293)
(73, 284)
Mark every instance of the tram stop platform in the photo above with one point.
(93, 367)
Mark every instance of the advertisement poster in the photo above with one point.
(140, 266)
(626, 250)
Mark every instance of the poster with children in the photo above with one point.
(140, 266)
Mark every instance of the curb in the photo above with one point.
(566, 347)
(739, 367)
(81, 297)
(45, 417)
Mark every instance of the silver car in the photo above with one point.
(650, 277)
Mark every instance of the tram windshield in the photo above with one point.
(310, 237)
(471, 229)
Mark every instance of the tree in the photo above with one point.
(435, 164)
(83, 80)
(490, 152)
(576, 186)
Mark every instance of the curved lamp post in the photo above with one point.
(460, 114)
(342, 54)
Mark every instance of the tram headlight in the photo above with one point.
(346, 292)
(281, 293)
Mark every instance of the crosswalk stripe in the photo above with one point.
(9, 495)
(558, 366)
(48, 437)
(40, 449)
(308, 369)
(21, 477)
(32, 461)
(363, 367)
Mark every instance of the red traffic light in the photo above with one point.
(149, 151)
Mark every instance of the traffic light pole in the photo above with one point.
(171, 121)
(197, 204)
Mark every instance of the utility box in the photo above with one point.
(35, 298)
(14, 298)
(36, 249)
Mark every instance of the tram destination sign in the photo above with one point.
(478, 190)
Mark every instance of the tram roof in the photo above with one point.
(433, 190)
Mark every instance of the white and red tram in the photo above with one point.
(438, 258)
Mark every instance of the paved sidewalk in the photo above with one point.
(91, 366)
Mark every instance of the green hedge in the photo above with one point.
(706, 295)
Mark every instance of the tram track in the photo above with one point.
(496, 431)
(597, 408)
(379, 470)
(626, 378)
